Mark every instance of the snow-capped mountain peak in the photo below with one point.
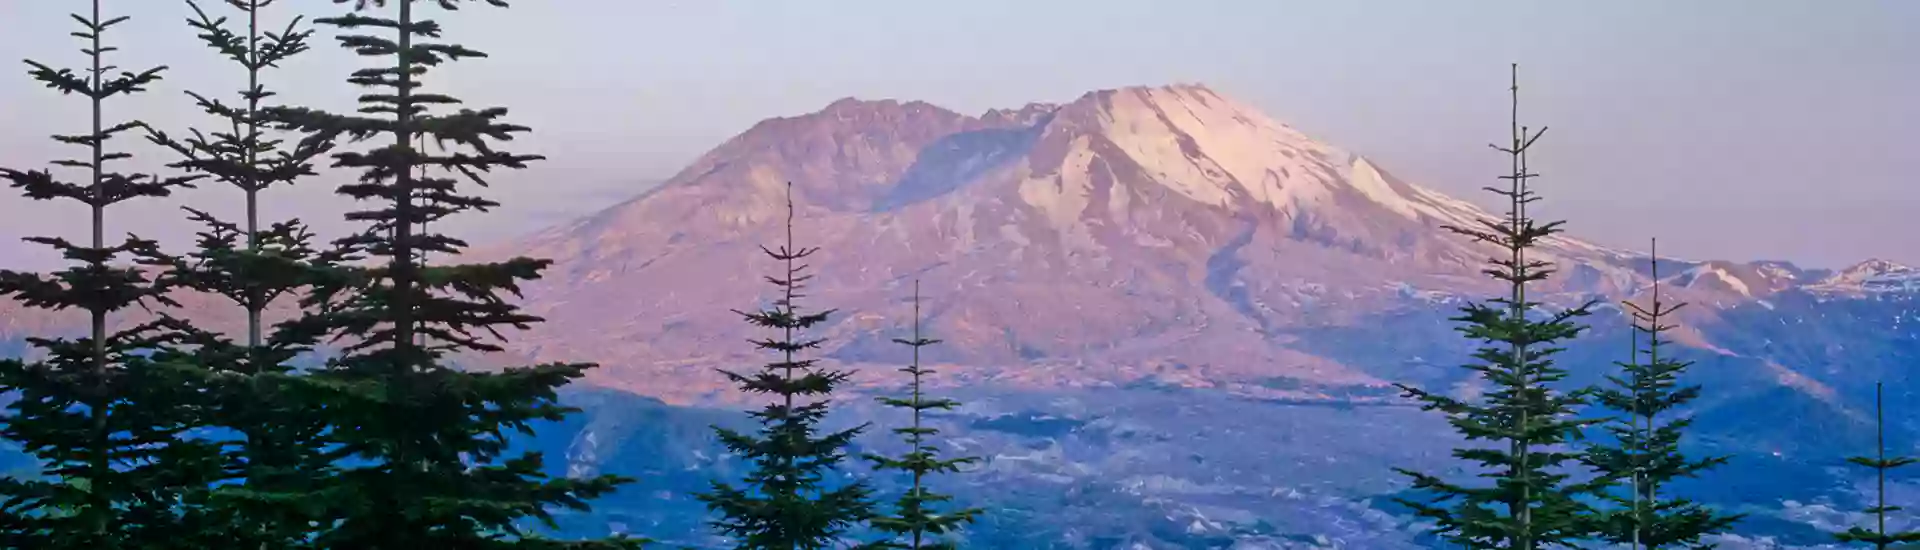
(1875, 275)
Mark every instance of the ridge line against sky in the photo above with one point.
(1736, 129)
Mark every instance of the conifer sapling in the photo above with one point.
(1522, 419)
(1647, 430)
(916, 521)
(788, 502)
(1881, 465)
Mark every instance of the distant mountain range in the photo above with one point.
(1165, 305)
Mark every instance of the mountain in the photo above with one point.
(1174, 319)
(1165, 233)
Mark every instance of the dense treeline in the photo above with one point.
(172, 435)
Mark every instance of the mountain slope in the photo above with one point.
(1168, 234)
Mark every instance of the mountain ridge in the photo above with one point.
(1154, 233)
(1163, 233)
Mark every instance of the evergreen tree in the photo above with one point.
(1647, 453)
(914, 518)
(261, 500)
(278, 453)
(104, 421)
(424, 462)
(245, 156)
(1878, 536)
(787, 503)
(1524, 422)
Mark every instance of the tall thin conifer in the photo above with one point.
(788, 502)
(424, 445)
(278, 455)
(1646, 398)
(1523, 420)
(104, 422)
(915, 523)
(1881, 464)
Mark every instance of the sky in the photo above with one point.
(1729, 129)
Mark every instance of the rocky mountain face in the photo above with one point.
(1167, 233)
(1175, 320)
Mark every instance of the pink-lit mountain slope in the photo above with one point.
(1167, 233)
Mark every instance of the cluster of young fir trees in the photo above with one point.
(170, 435)
(789, 499)
(1528, 438)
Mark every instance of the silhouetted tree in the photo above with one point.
(915, 520)
(1646, 453)
(787, 502)
(245, 156)
(104, 421)
(279, 457)
(1881, 464)
(1524, 421)
(423, 444)
(278, 454)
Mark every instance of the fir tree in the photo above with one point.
(104, 421)
(1878, 536)
(245, 156)
(915, 519)
(1524, 422)
(424, 446)
(278, 454)
(787, 503)
(1647, 451)
(279, 458)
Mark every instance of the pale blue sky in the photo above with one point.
(1738, 129)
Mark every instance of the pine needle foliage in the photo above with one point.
(278, 455)
(1646, 455)
(1881, 465)
(104, 421)
(916, 523)
(423, 446)
(1522, 424)
(787, 502)
(244, 155)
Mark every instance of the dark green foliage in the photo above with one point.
(915, 518)
(1647, 453)
(278, 455)
(106, 422)
(423, 451)
(1881, 464)
(1524, 422)
(787, 503)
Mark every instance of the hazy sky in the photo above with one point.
(1739, 129)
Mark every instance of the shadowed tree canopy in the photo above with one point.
(105, 421)
(277, 456)
(423, 445)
